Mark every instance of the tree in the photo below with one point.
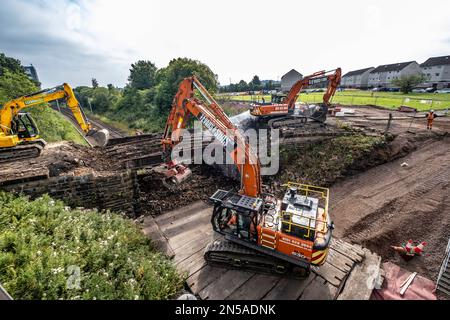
(101, 101)
(13, 80)
(142, 75)
(13, 85)
(408, 82)
(10, 64)
(110, 87)
(170, 77)
(255, 83)
(242, 86)
(94, 83)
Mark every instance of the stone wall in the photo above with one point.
(117, 192)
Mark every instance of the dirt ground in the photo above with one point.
(62, 158)
(157, 199)
(375, 118)
(389, 204)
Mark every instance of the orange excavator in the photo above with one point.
(282, 111)
(260, 232)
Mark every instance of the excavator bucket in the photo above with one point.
(172, 174)
(100, 137)
(320, 114)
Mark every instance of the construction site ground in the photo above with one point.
(390, 203)
(375, 202)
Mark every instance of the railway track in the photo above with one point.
(113, 132)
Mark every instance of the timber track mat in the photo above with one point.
(389, 204)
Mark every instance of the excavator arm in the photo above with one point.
(333, 80)
(12, 108)
(212, 116)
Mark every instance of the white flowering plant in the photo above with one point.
(49, 252)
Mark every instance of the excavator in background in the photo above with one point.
(19, 135)
(283, 111)
(259, 232)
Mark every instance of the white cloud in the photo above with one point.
(75, 41)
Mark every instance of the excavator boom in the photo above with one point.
(211, 115)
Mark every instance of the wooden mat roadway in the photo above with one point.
(188, 231)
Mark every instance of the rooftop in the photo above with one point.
(293, 71)
(392, 67)
(357, 72)
(436, 61)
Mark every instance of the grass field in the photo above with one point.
(421, 101)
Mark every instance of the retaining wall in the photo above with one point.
(117, 192)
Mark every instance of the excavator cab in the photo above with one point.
(24, 126)
(278, 97)
(236, 215)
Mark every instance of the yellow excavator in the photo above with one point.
(19, 135)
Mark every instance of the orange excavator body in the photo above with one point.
(287, 106)
(295, 230)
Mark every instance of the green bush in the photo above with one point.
(146, 100)
(54, 127)
(43, 243)
(323, 162)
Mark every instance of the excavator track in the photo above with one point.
(224, 253)
(21, 152)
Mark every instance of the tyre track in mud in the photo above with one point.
(389, 204)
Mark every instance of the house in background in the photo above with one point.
(382, 76)
(31, 72)
(288, 80)
(357, 79)
(437, 69)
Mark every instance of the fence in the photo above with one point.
(441, 102)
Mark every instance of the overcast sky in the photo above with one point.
(75, 40)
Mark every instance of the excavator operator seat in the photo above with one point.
(24, 126)
(278, 98)
(237, 214)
